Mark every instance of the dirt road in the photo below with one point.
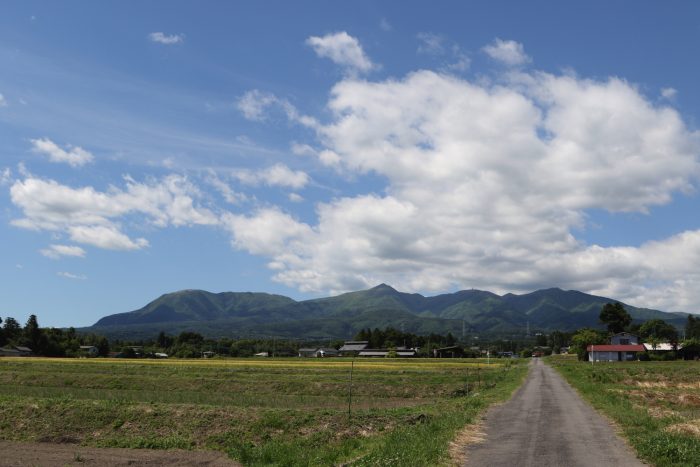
(546, 424)
(17, 454)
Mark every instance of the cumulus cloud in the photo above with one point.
(93, 217)
(485, 185)
(342, 49)
(3, 101)
(75, 156)
(166, 39)
(58, 251)
(510, 53)
(276, 175)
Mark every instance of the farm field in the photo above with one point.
(656, 405)
(259, 412)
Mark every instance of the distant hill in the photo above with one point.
(238, 314)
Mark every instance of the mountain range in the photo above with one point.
(247, 314)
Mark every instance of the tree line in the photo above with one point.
(653, 332)
(49, 342)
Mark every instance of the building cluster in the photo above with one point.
(625, 347)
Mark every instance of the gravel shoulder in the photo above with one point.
(546, 423)
(21, 454)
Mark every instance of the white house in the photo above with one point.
(623, 347)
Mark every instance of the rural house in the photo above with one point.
(623, 347)
(15, 351)
(307, 352)
(89, 350)
(326, 352)
(400, 352)
(351, 348)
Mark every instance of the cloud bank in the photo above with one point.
(486, 183)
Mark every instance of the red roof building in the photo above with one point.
(614, 352)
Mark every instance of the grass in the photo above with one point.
(656, 405)
(261, 412)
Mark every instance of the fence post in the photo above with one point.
(352, 367)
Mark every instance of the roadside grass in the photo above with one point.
(656, 405)
(271, 412)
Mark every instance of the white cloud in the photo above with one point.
(69, 275)
(295, 198)
(268, 232)
(231, 196)
(91, 217)
(486, 185)
(438, 46)
(166, 39)
(253, 104)
(669, 93)
(105, 237)
(385, 25)
(75, 156)
(257, 105)
(5, 176)
(276, 175)
(3, 101)
(510, 53)
(342, 49)
(58, 251)
(431, 43)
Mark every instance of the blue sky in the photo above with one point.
(310, 148)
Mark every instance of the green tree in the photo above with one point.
(615, 317)
(658, 330)
(2, 335)
(12, 330)
(32, 334)
(692, 328)
(582, 339)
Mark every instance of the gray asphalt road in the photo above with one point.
(546, 423)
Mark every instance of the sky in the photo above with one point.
(312, 148)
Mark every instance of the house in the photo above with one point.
(326, 352)
(351, 348)
(16, 351)
(623, 347)
(307, 352)
(400, 352)
(624, 338)
(662, 347)
(160, 355)
(262, 354)
(453, 351)
(89, 350)
(208, 354)
(9, 352)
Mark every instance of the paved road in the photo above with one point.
(547, 424)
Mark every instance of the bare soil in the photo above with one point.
(21, 454)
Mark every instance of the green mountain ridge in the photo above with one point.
(241, 314)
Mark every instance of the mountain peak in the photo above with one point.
(385, 287)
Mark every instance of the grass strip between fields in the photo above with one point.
(655, 405)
